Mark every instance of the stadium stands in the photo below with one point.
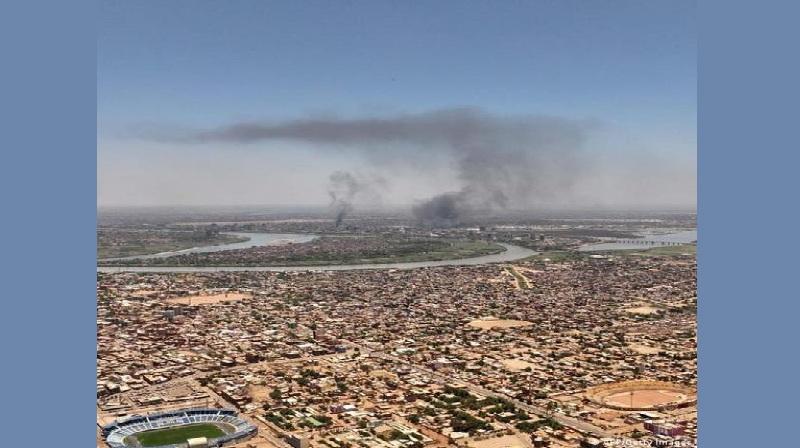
(117, 432)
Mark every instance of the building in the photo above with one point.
(197, 442)
(297, 441)
(664, 429)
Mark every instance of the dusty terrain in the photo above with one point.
(516, 364)
(209, 299)
(643, 398)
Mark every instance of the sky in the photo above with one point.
(622, 74)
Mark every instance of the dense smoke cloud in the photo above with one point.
(441, 210)
(343, 188)
(501, 161)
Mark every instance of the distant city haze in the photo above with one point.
(273, 104)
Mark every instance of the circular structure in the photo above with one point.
(174, 429)
(642, 395)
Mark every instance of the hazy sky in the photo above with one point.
(620, 75)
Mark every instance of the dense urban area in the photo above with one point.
(564, 348)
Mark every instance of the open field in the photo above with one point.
(178, 434)
(643, 398)
(257, 392)
(508, 441)
(209, 299)
(641, 395)
(515, 364)
(644, 349)
(489, 323)
(645, 310)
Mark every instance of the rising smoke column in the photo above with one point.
(500, 161)
(443, 210)
(342, 189)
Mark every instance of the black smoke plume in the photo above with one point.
(342, 189)
(501, 161)
(443, 210)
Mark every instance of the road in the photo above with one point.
(192, 379)
(196, 375)
(578, 425)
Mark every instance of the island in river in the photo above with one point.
(323, 250)
(123, 243)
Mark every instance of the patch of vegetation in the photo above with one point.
(114, 243)
(280, 420)
(527, 426)
(465, 422)
(331, 250)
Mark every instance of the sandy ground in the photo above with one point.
(385, 374)
(209, 299)
(488, 323)
(258, 393)
(498, 442)
(515, 364)
(642, 309)
(644, 349)
(255, 443)
(643, 398)
(609, 415)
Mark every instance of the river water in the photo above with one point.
(657, 240)
(511, 253)
(254, 239)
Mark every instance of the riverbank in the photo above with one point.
(132, 244)
(510, 253)
(237, 241)
(320, 251)
(645, 242)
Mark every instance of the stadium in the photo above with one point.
(642, 395)
(201, 427)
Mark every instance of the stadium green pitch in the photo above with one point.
(178, 434)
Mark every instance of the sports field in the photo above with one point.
(178, 434)
(643, 398)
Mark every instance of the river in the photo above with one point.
(511, 253)
(253, 239)
(657, 240)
